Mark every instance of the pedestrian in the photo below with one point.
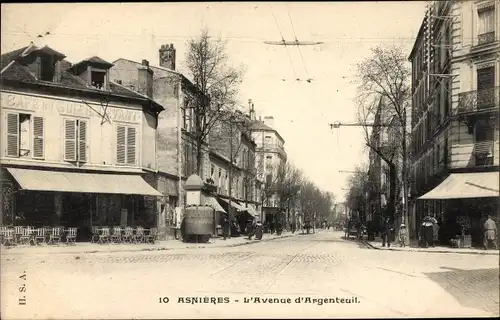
(490, 233)
(435, 233)
(225, 226)
(403, 235)
(386, 233)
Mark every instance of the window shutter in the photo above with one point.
(485, 78)
(131, 146)
(82, 141)
(38, 137)
(120, 145)
(12, 135)
(69, 140)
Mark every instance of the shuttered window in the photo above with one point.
(75, 140)
(126, 145)
(38, 137)
(485, 78)
(70, 140)
(82, 141)
(12, 135)
(131, 146)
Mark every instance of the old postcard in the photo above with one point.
(249, 160)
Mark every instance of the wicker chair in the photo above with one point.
(128, 236)
(40, 236)
(27, 237)
(116, 237)
(139, 235)
(8, 237)
(95, 234)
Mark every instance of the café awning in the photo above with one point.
(62, 181)
(466, 185)
(235, 205)
(211, 201)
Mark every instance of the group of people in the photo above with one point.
(429, 233)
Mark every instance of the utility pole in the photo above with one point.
(405, 176)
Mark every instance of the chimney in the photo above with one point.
(167, 56)
(145, 79)
(269, 121)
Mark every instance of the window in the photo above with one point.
(486, 24)
(126, 145)
(485, 85)
(97, 79)
(25, 132)
(75, 140)
(212, 171)
(47, 68)
(186, 111)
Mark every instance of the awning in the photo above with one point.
(466, 185)
(41, 180)
(211, 201)
(235, 205)
(251, 209)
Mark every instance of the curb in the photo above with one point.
(153, 249)
(371, 246)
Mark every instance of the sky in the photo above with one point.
(302, 111)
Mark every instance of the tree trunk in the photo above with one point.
(199, 158)
(393, 182)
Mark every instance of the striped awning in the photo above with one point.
(235, 205)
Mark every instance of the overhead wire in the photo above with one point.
(297, 43)
(284, 42)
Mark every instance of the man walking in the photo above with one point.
(386, 233)
(490, 233)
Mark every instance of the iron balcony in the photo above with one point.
(478, 101)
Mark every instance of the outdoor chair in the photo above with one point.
(40, 236)
(139, 235)
(104, 235)
(116, 237)
(151, 237)
(3, 232)
(27, 236)
(55, 236)
(8, 237)
(95, 235)
(128, 236)
(71, 236)
(18, 232)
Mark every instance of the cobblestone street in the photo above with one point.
(321, 265)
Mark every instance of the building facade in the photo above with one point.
(176, 148)
(75, 145)
(270, 155)
(455, 87)
(231, 142)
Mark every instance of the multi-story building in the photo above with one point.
(75, 145)
(270, 155)
(231, 142)
(455, 87)
(176, 146)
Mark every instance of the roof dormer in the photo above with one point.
(45, 62)
(95, 72)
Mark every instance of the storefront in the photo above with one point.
(461, 204)
(33, 197)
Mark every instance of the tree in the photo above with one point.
(383, 97)
(217, 83)
(288, 183)
(359, 185)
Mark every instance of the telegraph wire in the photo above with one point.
(298, 47)
(286, 47)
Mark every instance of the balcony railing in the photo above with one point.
(473, 101)
(272, 147)
(486, 38)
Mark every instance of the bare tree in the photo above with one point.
(289, 180)
(359, 185)
(383, 98)
(217, 83)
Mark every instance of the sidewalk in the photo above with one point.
(87, 247)
(413, 247)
